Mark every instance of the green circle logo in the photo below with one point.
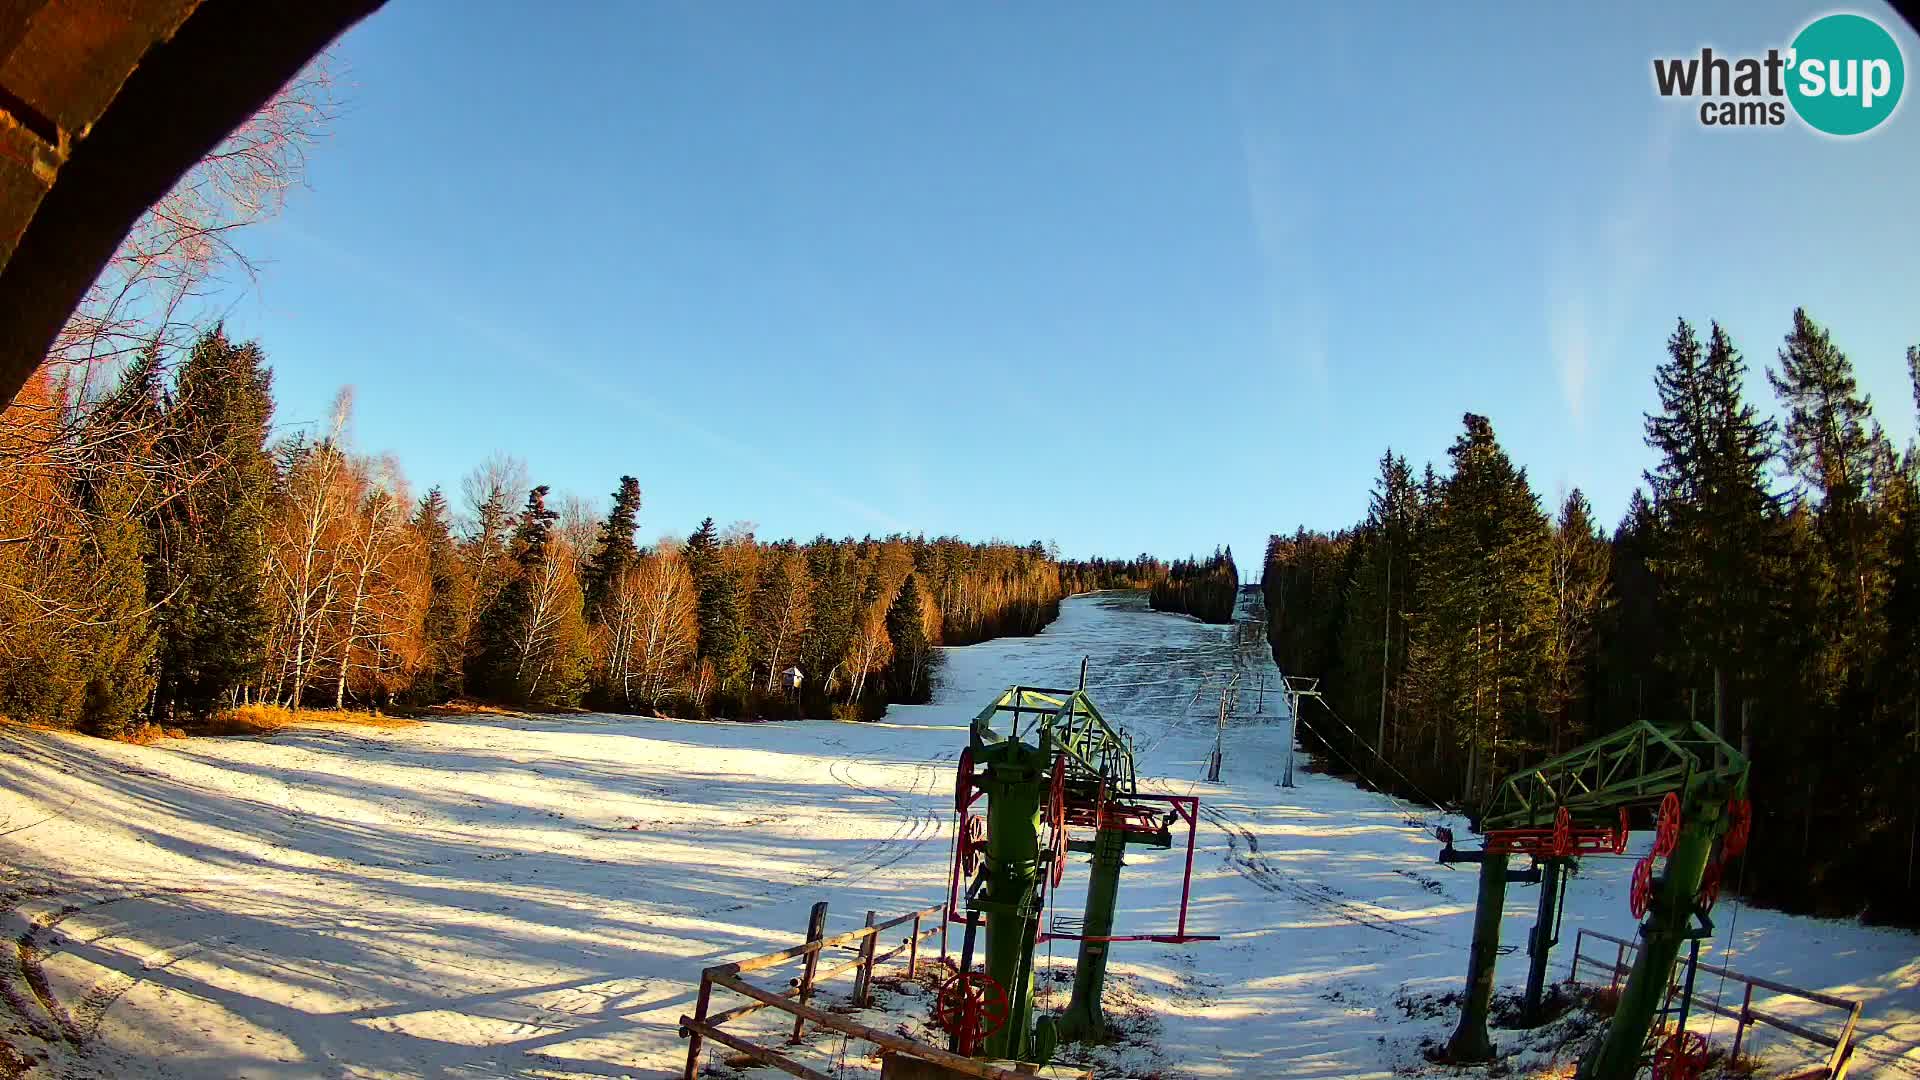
(1845, 74)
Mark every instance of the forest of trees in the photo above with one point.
(1096, 574)
(1765, 582)
(1204, 588)
(163, 556)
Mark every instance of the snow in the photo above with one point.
(505, 896)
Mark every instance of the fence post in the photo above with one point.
(816, 929)
(1619, 961)
(863, 977)
(1843, 1049)
(1573, 970)
(693, 1035)
(1740, 1029)
(913, 949)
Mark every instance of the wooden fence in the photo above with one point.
(796, 999)
(1840, 1043)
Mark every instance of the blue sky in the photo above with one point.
(1125, 276)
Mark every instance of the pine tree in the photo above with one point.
(910, 675)
(1833, 448)
(209, 550)
(119, 641)
(1485, 606)
(530, 651)
(441, 676)
(723, 576)
(836, 612)
(1639, 635)
(1579, 580)
(614, 551)
(1719, 539)
(702, 553)
(1913, 373)
(1370, 641)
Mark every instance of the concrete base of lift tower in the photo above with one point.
(900, 1067)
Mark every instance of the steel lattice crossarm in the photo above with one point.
(1635, 765)
(1068, 722)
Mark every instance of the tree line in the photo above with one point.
(1764, 582)
(164, 556)
(1206, 588)
(1098, 574)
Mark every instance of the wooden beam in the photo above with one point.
(762, 1054)
(887, 1039)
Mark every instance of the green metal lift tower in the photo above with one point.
(1046, 762)
(1693, 786)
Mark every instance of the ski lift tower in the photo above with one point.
(1691, 783)
(1046, 762)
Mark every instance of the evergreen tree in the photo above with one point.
(836, 613)
(910, 675)
(1639, 634)
(1719, 539)
(1833, 448)
(209, 551)
(137, 405)
(702, 553)
(441, 674)
(722, 581)
(1579, 580)
(1371, 647)
(120, 642)
(1206, 589)
(1913, 373)
(1485, 606)
(532, 640)
(614, 551)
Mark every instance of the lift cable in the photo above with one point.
(1417, 790)
(1413, 817)
(1726, 962)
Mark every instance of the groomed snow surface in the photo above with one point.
(534, 897)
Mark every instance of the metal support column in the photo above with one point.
(1470, 1041)
(1541, 941)
(1617, 1057)
(1015, 784)
(1083, 1019)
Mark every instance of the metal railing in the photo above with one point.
(1839, 1044)
(796, 999)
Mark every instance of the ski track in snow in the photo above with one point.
(506, 896)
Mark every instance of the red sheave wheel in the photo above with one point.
(1620, 838)
(1739, 827)
(963, 780)
(1681, 1056)
(973, 846)
(1709, 893)
(1666, 831)
(1562, 832)
(1641, 895)
(971, 1007)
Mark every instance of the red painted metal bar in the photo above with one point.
(1187, 809)
(1164, 939)
(1186, 878)
(1540, 842)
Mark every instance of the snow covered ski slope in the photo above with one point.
(534, 897)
